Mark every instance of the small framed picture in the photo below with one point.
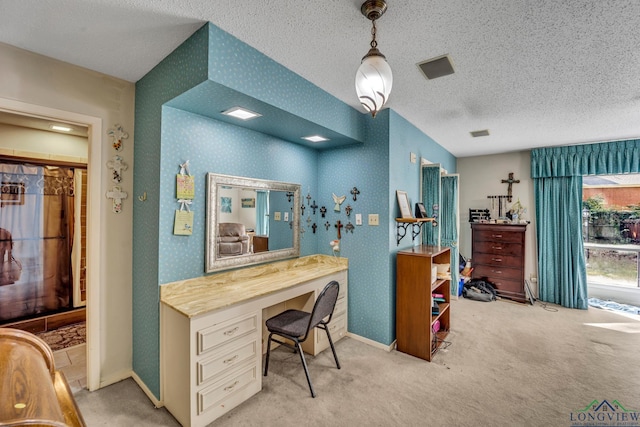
(403, 203)
(421, 212)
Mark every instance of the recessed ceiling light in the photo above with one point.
(477, 133)
(241, 113)
(315, 138)
(60, 128)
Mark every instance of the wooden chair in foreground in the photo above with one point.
(33, 392)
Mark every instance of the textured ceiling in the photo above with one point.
(535, 73)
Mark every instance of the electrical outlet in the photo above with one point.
(358, 219)
(276, 216)
(374, 219)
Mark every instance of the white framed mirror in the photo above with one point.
(250, 221)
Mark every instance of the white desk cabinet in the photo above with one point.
(212, 342)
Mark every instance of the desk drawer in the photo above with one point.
(337, 329)
(229, 391)
(229, 356)
(341, 307)
(217, 335)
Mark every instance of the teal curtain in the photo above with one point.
(588, 159)
(557, 173)
(562, 276)
(449, 225)
(262, 213)
(431, 199)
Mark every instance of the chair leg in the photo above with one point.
(266, 361)
(333, 349)
(306, 370)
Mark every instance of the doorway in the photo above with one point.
(93, 231)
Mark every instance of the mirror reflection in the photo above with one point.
(250, 221)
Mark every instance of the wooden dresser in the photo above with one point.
(498, 257)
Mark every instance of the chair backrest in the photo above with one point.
(324, 305)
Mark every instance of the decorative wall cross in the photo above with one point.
(348, 210)
(355, 193)
(314, 226)
(117, 195)
(308, 198)
(118, 165)
(327, 225)
(314, 207)
(339, 226)
(323, 211)
(302, 209)
(510, 181)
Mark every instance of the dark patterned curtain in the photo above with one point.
(36, 214)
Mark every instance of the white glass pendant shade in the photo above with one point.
(373, 83)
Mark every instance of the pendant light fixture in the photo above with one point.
(374, 78)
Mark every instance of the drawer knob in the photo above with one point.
(231, 331)
(496, 235)
(230, 360)
(497, 247)
(496, 259)
(497, 271)
(230, 387)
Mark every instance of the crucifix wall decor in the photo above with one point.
(339, 226)
(510, 181)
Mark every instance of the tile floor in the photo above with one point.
(72, 362)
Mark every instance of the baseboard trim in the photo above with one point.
(157, 403)
(115, 378)
(373, 343)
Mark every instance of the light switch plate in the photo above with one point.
(276, 216)
(412, 157)
(286, 216)
(358, 219)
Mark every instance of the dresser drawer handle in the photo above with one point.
(496, 271)
(230, 387)
(497, 235)
(231, 359)
(497, 247)
(496, 259)
(231, 331)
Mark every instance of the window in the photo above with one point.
(611, 229)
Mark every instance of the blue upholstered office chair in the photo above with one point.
(295, 325)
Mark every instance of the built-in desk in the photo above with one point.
(212, 330)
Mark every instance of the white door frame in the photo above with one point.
(94, 213)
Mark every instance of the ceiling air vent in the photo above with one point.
(436, 67)
(478, 133)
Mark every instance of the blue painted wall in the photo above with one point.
(167, 136)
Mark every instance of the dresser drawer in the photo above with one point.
(219, 334)
(499, 248)
(229, 356)
(496, 273)
(223, 394)
(498, 260)
(505, 285)
(497, 236)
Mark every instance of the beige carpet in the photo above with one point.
(508, 365)
(65, 336)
